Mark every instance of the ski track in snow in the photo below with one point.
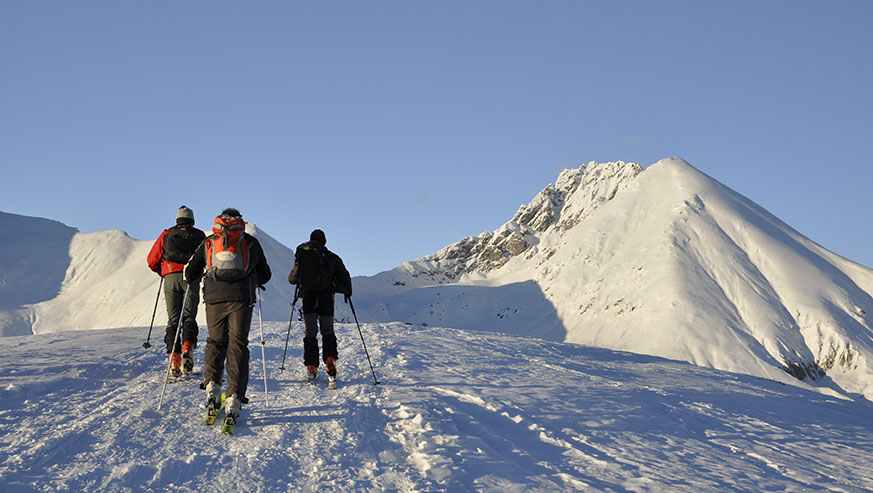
(457, 410)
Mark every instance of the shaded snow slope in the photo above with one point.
(457, 411)
(664, 261)
(34, 256)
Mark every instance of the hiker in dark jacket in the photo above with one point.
(319, 274)
(167, 258)
(233, 266)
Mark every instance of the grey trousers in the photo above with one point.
(174, 291)
(228, 345)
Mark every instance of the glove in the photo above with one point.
(262, 287)
(346, 298)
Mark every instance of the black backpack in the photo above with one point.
(314, 275)
(180, 243)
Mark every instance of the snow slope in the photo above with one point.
(98, 280)
(457, 411)
(664, 261)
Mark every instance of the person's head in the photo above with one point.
(317, 236)
(230, 211)
(185, 216)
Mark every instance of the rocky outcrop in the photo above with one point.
(576, 194)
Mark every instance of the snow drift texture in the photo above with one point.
(78, 414)
(664, 261)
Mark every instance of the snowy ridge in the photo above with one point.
(456, 411)
(101, 280)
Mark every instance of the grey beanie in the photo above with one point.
(184, 213)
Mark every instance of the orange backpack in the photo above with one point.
(228, 253)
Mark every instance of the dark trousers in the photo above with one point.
(174, 292)
(318, 313)
(228, 345)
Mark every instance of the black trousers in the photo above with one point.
(228, 345)
(318, 314)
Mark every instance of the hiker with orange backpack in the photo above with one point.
(232, 265)
(168, 256)
(319, 274)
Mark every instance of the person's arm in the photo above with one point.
(343, 278)
(262, 268)
(194, 269)
(156, 254)
(294, 275)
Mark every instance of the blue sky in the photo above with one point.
(401, 127)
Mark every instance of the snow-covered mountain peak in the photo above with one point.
(664, 261)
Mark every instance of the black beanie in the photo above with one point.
(318, 236)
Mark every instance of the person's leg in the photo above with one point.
(325, 321)
(310, 337)
(216, 343)
(190, 330)
(239, 323)
(173, 298)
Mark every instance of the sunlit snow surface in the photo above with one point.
(456, 410)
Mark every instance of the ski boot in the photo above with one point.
(331, 372)
(175, 371)
(232, 408)
(214, 403)
(213, 396)
(188, 356)
(311, 374)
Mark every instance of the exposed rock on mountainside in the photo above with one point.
(562, 206)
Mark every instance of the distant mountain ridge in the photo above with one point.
(98, 280)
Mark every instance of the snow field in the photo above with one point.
(457, 410)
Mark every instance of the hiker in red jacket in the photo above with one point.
(168, 256)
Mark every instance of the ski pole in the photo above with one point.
(173, 348)
(375, 381)
(147, 344)
(263, 351)
(287, 337)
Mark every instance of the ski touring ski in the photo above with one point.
(227, 427)
(183, 376)
(212, 414)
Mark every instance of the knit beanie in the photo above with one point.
(184, 214)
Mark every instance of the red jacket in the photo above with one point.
(156, 257)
